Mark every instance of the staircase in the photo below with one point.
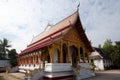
(37, 75)
(85, 71)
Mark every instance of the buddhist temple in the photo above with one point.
(60, 52)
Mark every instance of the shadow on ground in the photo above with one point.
(105, 76)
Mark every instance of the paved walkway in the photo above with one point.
(106, 75)
(11, 76)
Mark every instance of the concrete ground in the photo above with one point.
(106, 75)
(103, 75)
(18, 75)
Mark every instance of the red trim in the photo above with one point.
(45, 43)
(55, 37)
(58, 78)
(40, 45)
(51, 34)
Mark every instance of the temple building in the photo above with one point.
(58, 50)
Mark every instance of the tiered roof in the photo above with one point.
(56, 32)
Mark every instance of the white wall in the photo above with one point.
(99, 64)
(107, 63)
(4, 63)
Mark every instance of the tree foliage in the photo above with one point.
(13, 57)
(112, 51)
(108, 48)
(4, 52)
(4, 45)
(115, 54)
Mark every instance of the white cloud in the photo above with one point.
(21, 19)
(103, 21)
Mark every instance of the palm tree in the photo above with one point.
(4, 47)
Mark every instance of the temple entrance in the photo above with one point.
(56, 56)
(74, 56)
(81, 55)
(65, 53)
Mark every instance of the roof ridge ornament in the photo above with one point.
(78, 6)
(49, 24)
(48, 27)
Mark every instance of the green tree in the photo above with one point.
(112, 51)
(115, 55)
(4, 45)
(13, 57)
(108, 48)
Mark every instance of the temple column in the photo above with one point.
(51, 53)
(43, 59)
(31, 59)
(35, 57)
(25, 59)
(28, 59)
(39, 57)
(22, 60)
(68, 50)
(61, 51)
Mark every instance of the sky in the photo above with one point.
(21, 20)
